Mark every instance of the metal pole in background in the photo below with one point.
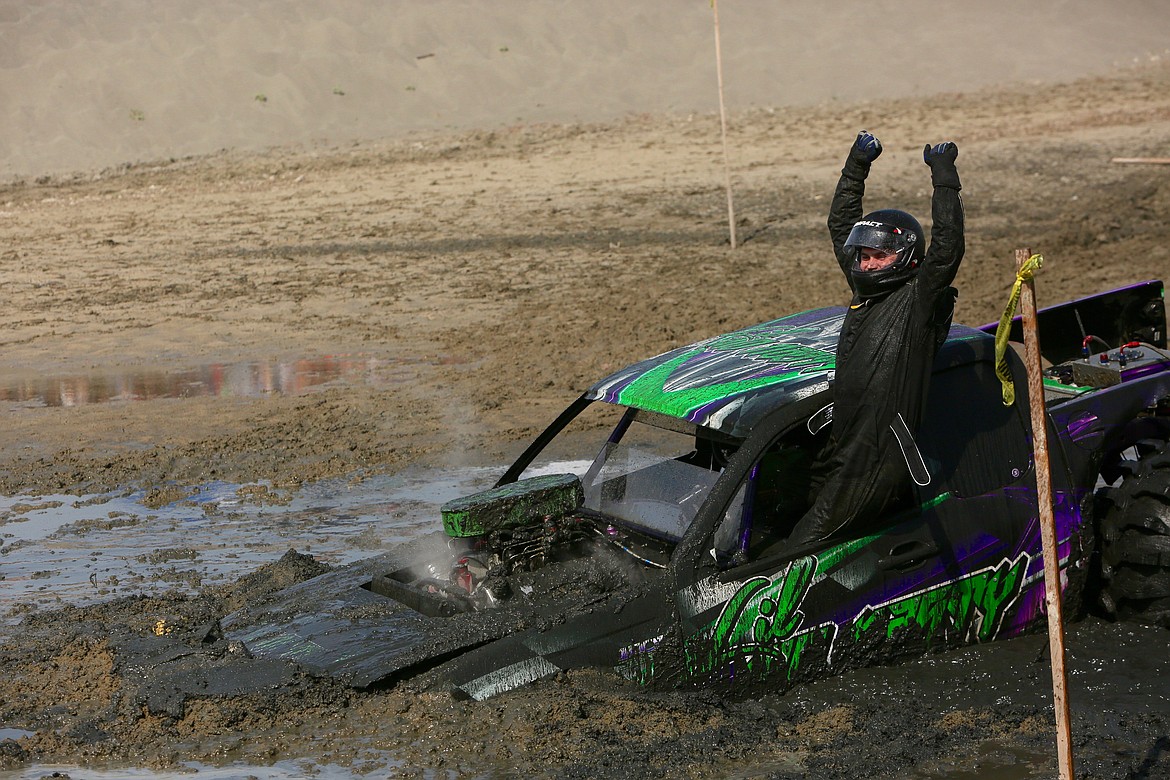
(1052, 598)
(723, 122)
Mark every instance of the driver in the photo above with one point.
(899, 317)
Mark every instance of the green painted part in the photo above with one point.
(834, 555)
(649, 390)
(760, 621)
(638, 668)
(747, 343)
(761, 630)
(1061, 386)
(976, 604)
(516, 504)
(932, 503)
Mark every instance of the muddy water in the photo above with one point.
(77, 550)
(62, 549)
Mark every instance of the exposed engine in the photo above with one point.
(477, 574)
(498, 534)
(483, 570)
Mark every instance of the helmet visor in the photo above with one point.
(878, 235)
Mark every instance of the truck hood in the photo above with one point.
(337, 625)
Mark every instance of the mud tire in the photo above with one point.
(1135, 539)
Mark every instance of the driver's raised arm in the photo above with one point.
(846, 210)
(947, 244)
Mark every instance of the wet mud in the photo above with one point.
(148, 681)
(491, 277)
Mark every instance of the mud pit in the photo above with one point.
(485, 278)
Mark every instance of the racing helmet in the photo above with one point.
(888, 230)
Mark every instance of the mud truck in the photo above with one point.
(664, 556)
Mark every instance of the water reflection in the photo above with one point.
(292, 377)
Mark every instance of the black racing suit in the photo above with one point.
(884, 357)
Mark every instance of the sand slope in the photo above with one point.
(89, 85)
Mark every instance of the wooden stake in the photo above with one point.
(1049, 543)
(723, 123)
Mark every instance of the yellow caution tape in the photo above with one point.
(1025, 274)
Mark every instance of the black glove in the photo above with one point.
(941, 159)
(866, 148)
